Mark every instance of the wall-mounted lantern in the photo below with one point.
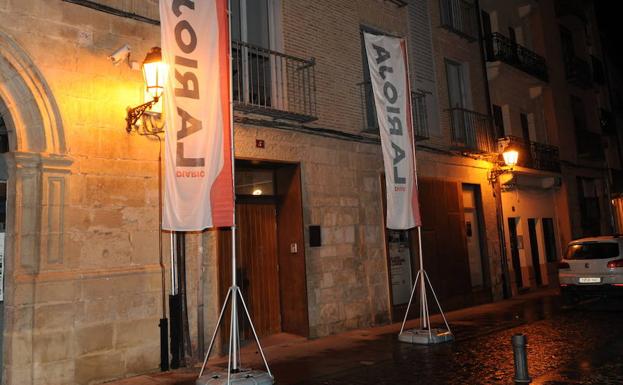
(510, 156)
(155, 73)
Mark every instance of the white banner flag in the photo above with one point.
(387, 61)
(198, 170)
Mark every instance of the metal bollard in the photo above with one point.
(521, 360)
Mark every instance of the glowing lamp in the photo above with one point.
(511, 156)
(155, 74)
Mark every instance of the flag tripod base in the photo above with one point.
(234, 374)
(426, 336)
(243, 377)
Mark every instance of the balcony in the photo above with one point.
(273, 84)
(589, 145)
(460, 17)
(535, 155)
(418, 112)
(578, 72)
(501, 48)
(471, 131)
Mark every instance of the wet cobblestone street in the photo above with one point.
(580, 345)
(566, 346)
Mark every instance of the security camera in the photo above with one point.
(120, 54)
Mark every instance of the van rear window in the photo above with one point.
(593, 250)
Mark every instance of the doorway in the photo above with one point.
(515, 245)
(534, 251)
(473, 234)
(4, 147)
(270, 266)
(458, 99)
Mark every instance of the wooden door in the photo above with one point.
(443, 239)
(291, 245)
(271, 254)
(444, 245)
(257, 265)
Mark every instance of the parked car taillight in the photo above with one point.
(563, 265)
(616, 263)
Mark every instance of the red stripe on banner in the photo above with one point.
(221, 194)
(415, 203)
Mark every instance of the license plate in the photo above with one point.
(590, 280)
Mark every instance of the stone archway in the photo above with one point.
(37, 169)
(29, 102)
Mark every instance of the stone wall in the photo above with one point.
(83, 282)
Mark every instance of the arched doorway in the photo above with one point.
(33, 173)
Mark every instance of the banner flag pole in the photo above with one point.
(426, 334)
(388, 62)
(234, 372)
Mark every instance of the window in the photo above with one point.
(487, 34)
(462, 123)
(456, 85)
(525, 128)
(589, 207)
(4, 137)
(459, 16)
(251, 41)
(579, 113)
(370, 123)
(255, 182)
(566, 42)
(598, 70)
(498, 121)
(593, 250)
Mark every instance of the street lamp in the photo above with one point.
(155, 75)
(510, 156)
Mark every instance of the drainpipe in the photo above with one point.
(497, 190)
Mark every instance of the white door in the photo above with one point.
(472, 232)
(473, 248)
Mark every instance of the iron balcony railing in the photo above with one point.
(535, 155)
(460, 16)
(471, 131)
(578, 72)
(499, 47)
(418, 111)
(272, 83)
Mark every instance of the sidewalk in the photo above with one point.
(294, 359)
